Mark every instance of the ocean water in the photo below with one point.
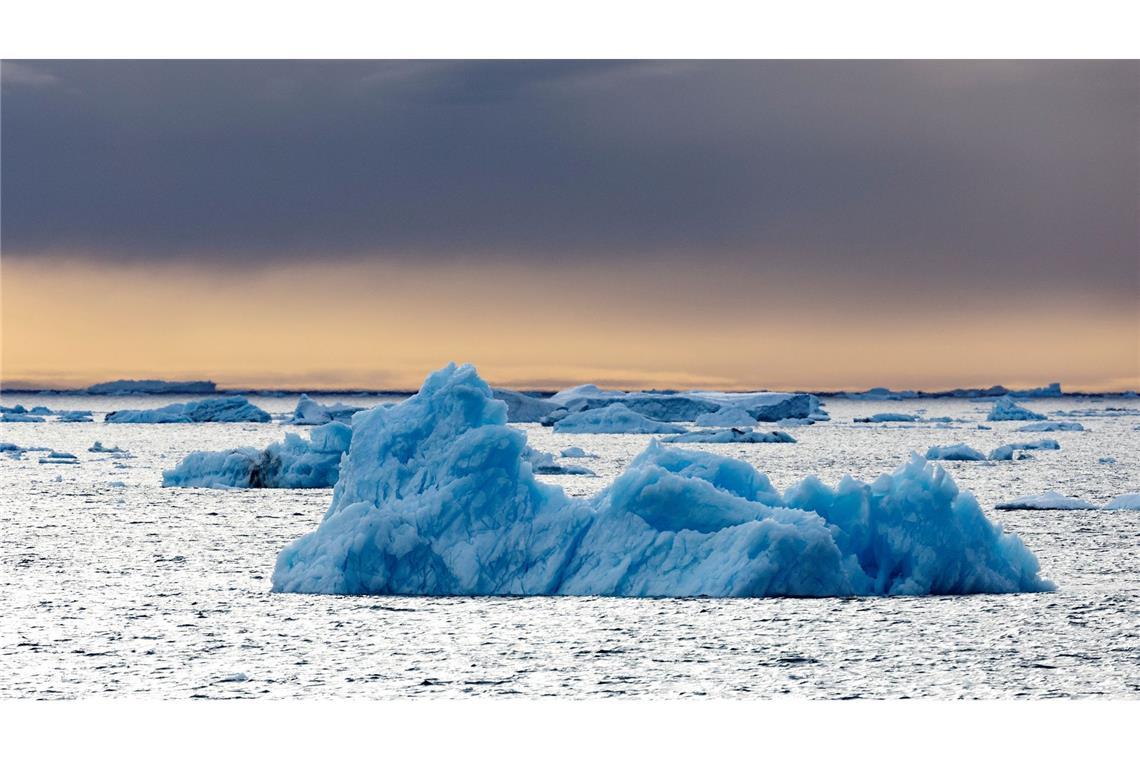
(111, 585)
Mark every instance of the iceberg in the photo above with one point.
(1005, 453)
(730, 435)
(309, 412)
(890, 417)
(223, 409)
(292, 463)
(436, 497)
(675, 406)
(133, 387)
(959, 452)
(1050, 427)
(726, 416)
(99, 448)
(613, 418)
(1125, 501)
(1046, 500)
(522, 407)
(1005, 409)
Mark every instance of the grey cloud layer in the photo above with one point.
(1003, 170)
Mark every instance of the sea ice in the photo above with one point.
(543, 463)
(1046, 500)
(436, 497)
(1006, 452)
(20, 417)
(957, 452)
(292, 463)
(888, 417)
(221, 409)
(1005, 409)
(59, 457)
(577, 452)
(613, 418)
(730, 435)
(309, 412)
(75, 416)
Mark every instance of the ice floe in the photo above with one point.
(956, 452)
(309, 412)
(613, 418)
(1046, 500)
(1005, 452)
(1005, 409)
(726, 416)
(730, 435)
(1051, 427)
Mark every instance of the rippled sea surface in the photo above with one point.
(111, 585)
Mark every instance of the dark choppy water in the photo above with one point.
(113, 586)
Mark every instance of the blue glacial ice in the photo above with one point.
(1051, 427)
(292, 463)
(221, 409)
(1005, 409)
(1005, 452)
(613, 418)
(730, 435)
(309, 412)
(436, 497)
(959, 452)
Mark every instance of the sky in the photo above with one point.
(733, 224)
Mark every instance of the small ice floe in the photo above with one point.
(309, 412)
(59, 457)
(17, 452)
(1106, 460)
(613, 418)
(1005, 409)
(223, 409)
(726, 417)
(99, 448)
(1125, 501)
(959, 452)
(1006, 452)
(888, 417)
(1046, 500)
(730, 435)
(232, 678)
(1051, 427)
(577, 452)
(20, 417)
(75, 416)
(117, 484)
(543, 463)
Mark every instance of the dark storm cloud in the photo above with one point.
(1019, 172)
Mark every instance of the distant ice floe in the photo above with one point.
(888, 417)
(686, 406)
(292, 463)
(730, 435)
(957, 452)
(59, 457)
(1053, 390)
(13, 451)
(1050, 427)
(309, 412)
(222, 409)
(1006, 452)
(1005, 409)
(75, 416)
(613, 418)
(20, 417)
(145, 387)
(436, 496)
(1046, 500)
(99, 448)
(1125, 501)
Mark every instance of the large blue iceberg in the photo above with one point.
(436, 497)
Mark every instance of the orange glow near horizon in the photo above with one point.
(368, 325)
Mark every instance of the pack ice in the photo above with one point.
(436, 497)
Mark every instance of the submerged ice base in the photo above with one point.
(436, 497)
